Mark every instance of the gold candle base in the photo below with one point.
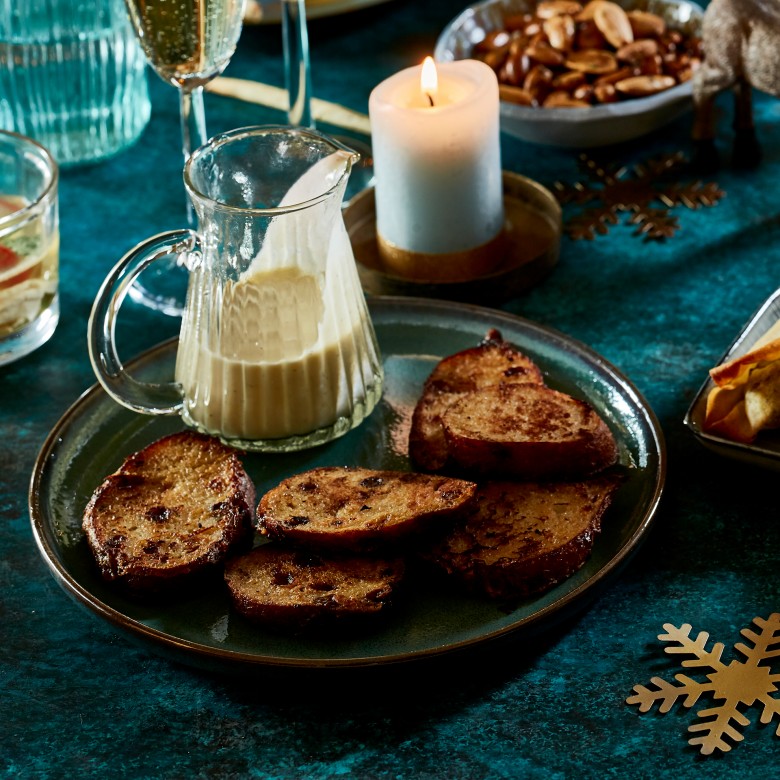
(519, 258)
(442, 267)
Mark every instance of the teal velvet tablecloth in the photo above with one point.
(77, 699)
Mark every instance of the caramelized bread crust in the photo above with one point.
(522, 538)
(526, 431)
(297, 589)
(172, 509)
(492, 362)
(359, 509)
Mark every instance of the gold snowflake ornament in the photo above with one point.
(644, 191)
(745, 683)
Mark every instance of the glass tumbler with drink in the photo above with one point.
(29, 246)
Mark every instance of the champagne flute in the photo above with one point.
(187, 43)
(297, 72)
(297, 68)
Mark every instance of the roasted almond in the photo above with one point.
(614, 24)
(588, 36)
(594, 61)
(583, 92)
(515, 67)
(618, 75)
(549, 8)
(517, 21)
(589, 10)
(495, 58)
(561, 99)
(521, 97)
(560, 31)
(493, 40)
(646, 25)
(683, 68)
(642, 86)
(605, 93)
(544, 53)
(569, 80)
(638, 50)
(533, 28)
(685, 74)
(651, 66)
(538, 82)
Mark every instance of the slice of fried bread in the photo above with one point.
(494, 361)
(297, 589)
(172, 509)
(522, 538)
(359, 509)
(528, 432)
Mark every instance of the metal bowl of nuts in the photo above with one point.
(582, 74)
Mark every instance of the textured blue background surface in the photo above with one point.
(79, 700)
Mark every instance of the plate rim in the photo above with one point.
(209, 657)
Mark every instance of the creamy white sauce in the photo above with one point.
(290, 375)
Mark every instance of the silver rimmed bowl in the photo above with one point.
(580, 128)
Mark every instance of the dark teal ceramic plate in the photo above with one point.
(96, 434)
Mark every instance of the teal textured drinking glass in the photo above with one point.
(72, 76)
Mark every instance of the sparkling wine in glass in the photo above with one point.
(188, 43)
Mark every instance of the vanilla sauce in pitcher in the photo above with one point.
(277, 351)
(284, 381)
(291, 347)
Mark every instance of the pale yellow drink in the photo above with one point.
(29, 262)
(188, 39)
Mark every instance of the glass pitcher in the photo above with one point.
(276, 351)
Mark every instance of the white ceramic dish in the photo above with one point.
(579, 128)
(765, 451)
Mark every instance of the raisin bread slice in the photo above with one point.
(493, 362)
(522, 538)
(297, 589)
(172, 509)
(526, 432)
(359, 509)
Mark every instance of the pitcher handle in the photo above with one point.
(144, 397)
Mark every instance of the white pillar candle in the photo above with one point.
(437, 158)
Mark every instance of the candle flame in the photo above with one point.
(429, 78)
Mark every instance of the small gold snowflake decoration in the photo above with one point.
(648, 192)
(737, 684)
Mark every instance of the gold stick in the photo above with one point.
(277, 98)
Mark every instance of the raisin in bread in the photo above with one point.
(528, 432)
(359, 509)
(522, 538)
(172, 509)
(297, 589)
(492, 362)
